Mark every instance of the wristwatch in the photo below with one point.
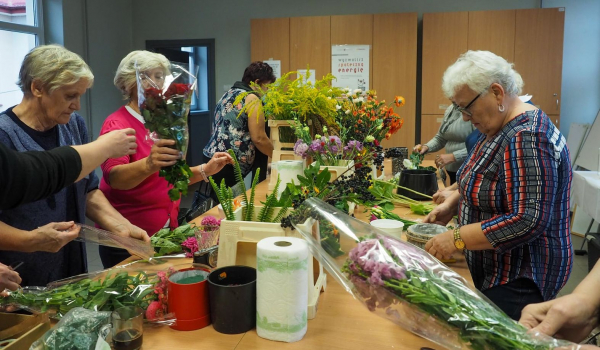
(458, 242)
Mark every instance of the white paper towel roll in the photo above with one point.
(288, 170)
(281, 288)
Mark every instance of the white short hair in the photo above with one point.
(478, 70)
(125, 79)
(53, 66)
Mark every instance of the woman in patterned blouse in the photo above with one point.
(513, 190)
(245, 134)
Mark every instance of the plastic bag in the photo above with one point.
(134, 285)
(164, 101)
(79, 329)
(409, 287)
(132, 245)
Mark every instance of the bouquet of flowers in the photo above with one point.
(286, 99)
(362, 117)
(326, 149)
(165, 107)
(137, 284)
(409, 287)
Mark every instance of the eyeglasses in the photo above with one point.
(464, 110)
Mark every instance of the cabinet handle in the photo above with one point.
(555, 95)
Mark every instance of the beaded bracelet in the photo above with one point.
(203, 173)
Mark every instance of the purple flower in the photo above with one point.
(334, 144)
(356, 145)
(375, 279)
(300, 148)
(190, 246)
(317, 146)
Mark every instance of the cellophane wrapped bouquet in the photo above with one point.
(140, 283)
(165, 105)
(411, 288)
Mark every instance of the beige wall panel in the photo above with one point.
(444, 39)
(270, 38)
(538, 55)
(395, 68)
(493, 31)
(310, 43)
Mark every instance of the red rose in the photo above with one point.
(376, 143)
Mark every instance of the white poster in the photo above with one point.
(276, 65)
(350, 66)
(302, 72)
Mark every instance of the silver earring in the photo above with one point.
(501, 108)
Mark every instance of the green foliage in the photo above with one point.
(167, 242)
(115, 290)
(266, 213)
(286, 98)
(225, 196)
(416, 159)
(384, 192)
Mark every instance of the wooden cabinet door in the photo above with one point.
(430, 125)
(493, 31)
(270, 38)
(445, 37)
(538, 55)
(394, 69)
(354, 30)
(310, 43)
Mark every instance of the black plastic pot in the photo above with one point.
(422, 181)
(232, 298)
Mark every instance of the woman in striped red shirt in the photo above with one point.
(513, 190)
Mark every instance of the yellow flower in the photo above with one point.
(316, 189)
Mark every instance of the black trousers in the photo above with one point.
(452, 175)
(514, 296)
(112, 256)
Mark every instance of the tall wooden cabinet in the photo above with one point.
(538, 56)
(532, 39)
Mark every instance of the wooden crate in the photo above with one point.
(237, 246)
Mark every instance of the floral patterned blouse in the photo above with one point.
(231, 132)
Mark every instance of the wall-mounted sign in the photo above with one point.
(350, 66)
(276, 65)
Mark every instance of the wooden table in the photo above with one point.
(341, 321)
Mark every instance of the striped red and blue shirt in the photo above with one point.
(517, 185)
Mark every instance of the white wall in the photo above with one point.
(581, 61)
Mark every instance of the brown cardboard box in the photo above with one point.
(25, 328)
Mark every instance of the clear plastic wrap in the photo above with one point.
(79, 329)
(133, 246)
(136, 284)
(164, 100)
(409, 287)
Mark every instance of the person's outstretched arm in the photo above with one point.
(29, 176)
(570, 317)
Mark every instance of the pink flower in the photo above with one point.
(153, 310)
(190, 246)
(210, 221)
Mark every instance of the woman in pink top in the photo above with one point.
(131, 183)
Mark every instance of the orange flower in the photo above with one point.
(399, 101)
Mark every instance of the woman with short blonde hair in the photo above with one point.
(131, 183)
(53, 79)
